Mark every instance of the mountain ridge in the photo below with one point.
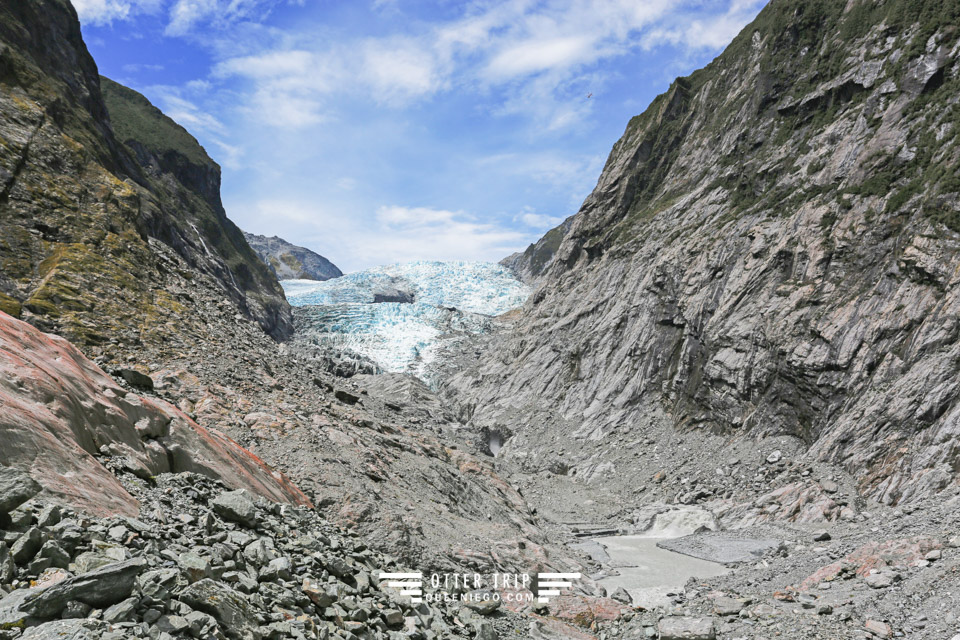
(102, 236)
(291, 262)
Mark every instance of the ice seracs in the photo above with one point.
(397, 315)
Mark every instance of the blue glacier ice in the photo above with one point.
(447, 298)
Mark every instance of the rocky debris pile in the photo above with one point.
(201, 562)
(388, 462)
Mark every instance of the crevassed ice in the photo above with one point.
(449, 297)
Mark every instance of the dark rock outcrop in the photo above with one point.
(290, 262)
(91, 197)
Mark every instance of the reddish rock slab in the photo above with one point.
(904, 552)
(584, 610)
(58, 409)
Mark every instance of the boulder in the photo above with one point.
(234, 613)
(16, 488)
(878, 628)
(136, 379)
(26, 546)
(727, 606)
(318, 594)
(99, 588)
(346, 397)
(393, 617)
(236, 506)
(194, 566)
(7, 567)
(621, 595)
(485, 631)
(66, 630)
(13, 614)
(829, 486)
(122, 611)
(681, 628)
(880, 579)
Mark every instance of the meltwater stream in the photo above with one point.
(398, 315)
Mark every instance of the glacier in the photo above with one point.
(399, 316)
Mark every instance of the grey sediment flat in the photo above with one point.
(649, 572)
(718, 546)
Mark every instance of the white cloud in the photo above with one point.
(396, 70)
(186, 13)
(392, 234)
(541, 56)
(101, 12)
(540, 221)
(711, 32)
(187, 16)
(136, 68)
(565, 173)
(229, 155)
(185, 112)
(533, 56)
(268, 66)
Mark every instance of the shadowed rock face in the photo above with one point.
(771, 249)
(84, 193)
(290, 262)
(60, 411)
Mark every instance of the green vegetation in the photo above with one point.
(134, 118)
(9, 305)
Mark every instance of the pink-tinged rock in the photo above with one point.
(904, 552)
(879, 629)
(796, 502)
(584, 610)
(59, 409)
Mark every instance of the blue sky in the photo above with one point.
(380, 131)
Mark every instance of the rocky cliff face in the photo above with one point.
(529, 264)
(772, 250)
(290, 262)
(88, 193)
